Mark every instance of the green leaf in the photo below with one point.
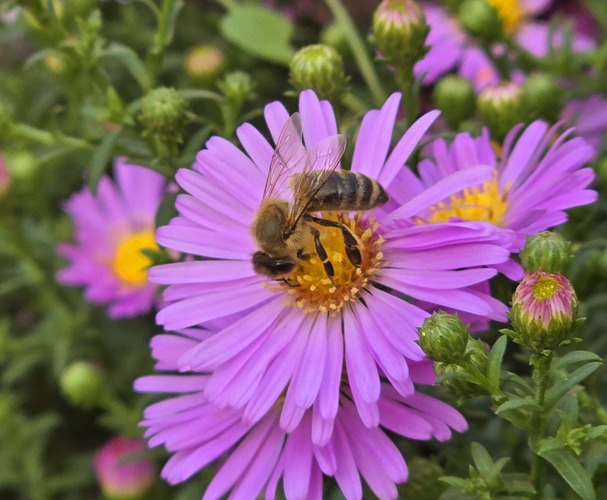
(571, 471)
(494, 361)
(260, 32)
(102, 156)
(482, 459)
(516, 403)
(560, 388)
(131, 61)
(576, 357)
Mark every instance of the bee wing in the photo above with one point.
(323, 159)
(289, 158)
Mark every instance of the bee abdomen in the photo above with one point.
(345, 190)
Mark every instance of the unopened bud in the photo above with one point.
(164, 112)
(83, 384)
(320, 68)
(543, 97)
(501, 107)
(203, 64)
(547, 251)
(443, 337)
(399, 32)
(543, 311)
(454, 96)
(122, 469)
(481, 20)
(237, 87)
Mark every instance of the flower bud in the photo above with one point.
(454, 96)
(443, 337)
(501, 107)
(237, 87)
(203, 64)
(481, 20)
(121, 470)
(547, 251)
(320, 68)
(164, 112)
(543, 311)
(399, 32)
(83, 384)
(543, 97)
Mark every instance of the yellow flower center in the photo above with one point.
(310, 288)
(510, 13)
(545, 288)
(484, 202)
(130, 264)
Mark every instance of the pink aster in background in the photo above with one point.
(537, 177)
(589, 116)
(273, 340)
(254, 454)
(121, 468)
(452, 49)
(112, 227)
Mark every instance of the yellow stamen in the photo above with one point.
(312, 290)
(130, 264)
(484, 202)
(510, 12)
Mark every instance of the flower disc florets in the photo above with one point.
(311, 289)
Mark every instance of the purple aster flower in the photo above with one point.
(537, 178)
(452, 49)
(112, 227)
(589, 116)
(294, 338)
(254, 454)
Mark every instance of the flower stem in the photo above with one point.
(406, 82)
(541, 376)
(161, 39)
(363, 61)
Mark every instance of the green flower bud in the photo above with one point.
(543, 311)
(481, 20)
(455, 97)
(164, 112)
(399, 32)
(443, 337)
(501, 107)
(547, 251)
(203, 64)
(462, 387)
(237, 87)
(83, 384)
(320, 68)
(543, 96)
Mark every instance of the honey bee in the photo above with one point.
(301, 183)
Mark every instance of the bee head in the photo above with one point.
(272, 267)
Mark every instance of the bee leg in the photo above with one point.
(303, 256)
(288, 283)
(322, 255)
(350, 241)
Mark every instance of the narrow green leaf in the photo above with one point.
(494, 361)
(482, 459)
(102, 156)
(131, 61)
(260, 32)
(560, 388)
(571, 471)
(576, 357)
(516, 403)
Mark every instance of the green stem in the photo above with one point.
(48, 138)
(161, 40)
(541, 376)
(406, 82)
(363, 60)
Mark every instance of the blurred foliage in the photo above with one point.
(74, 75)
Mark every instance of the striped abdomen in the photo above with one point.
(345, 191)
